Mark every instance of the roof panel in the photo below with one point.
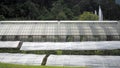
(21, 58)
(9, 44)
(103, 45)
(50, 30)
(74, 30)
(61, 28)
(93, 61)
(97, 30)
(84, 29)
(38, 29)
(110, 30)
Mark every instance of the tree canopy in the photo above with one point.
(56, 9)
(88, 16)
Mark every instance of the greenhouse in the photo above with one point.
(93, 61)
(59, 31)
(21, 58)
(103, 45)
(9, 44)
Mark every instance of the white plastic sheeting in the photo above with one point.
(27, 59)
(102, 45)
(9, 44)
(59, 28)
(82, 60)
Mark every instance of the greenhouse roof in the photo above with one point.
(25, 59)
(9, 44)
(102, 45)
(59, 28)
(93, 61)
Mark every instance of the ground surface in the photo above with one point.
(5, 65)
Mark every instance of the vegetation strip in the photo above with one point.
(6, 65)
(65, 52)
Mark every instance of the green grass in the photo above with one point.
(64, 52)
(6, 65)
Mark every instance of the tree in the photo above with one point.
(61, 15)
(4, 10)
(110, 9)
(45, 14)
(30, 10)
(60, 11)
(88, 16)
(56, 9)
(2, 17)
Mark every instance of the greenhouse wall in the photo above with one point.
(60, 38)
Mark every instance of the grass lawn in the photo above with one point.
(5, 65)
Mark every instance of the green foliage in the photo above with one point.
(63, 52)
(69, 38)
(2, 17)
(45, 14)
(60, 11)
(59, 52)
(31, 10)
(56, 9)
(57, 38)
(30, 38)
(98, 52)
(61, 16)
(5, 65)
(88, 16)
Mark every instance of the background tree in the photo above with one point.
(60, 11)
(2, 17)
(31, 10)
(88, 16)
(110, 9)
(56, 9)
